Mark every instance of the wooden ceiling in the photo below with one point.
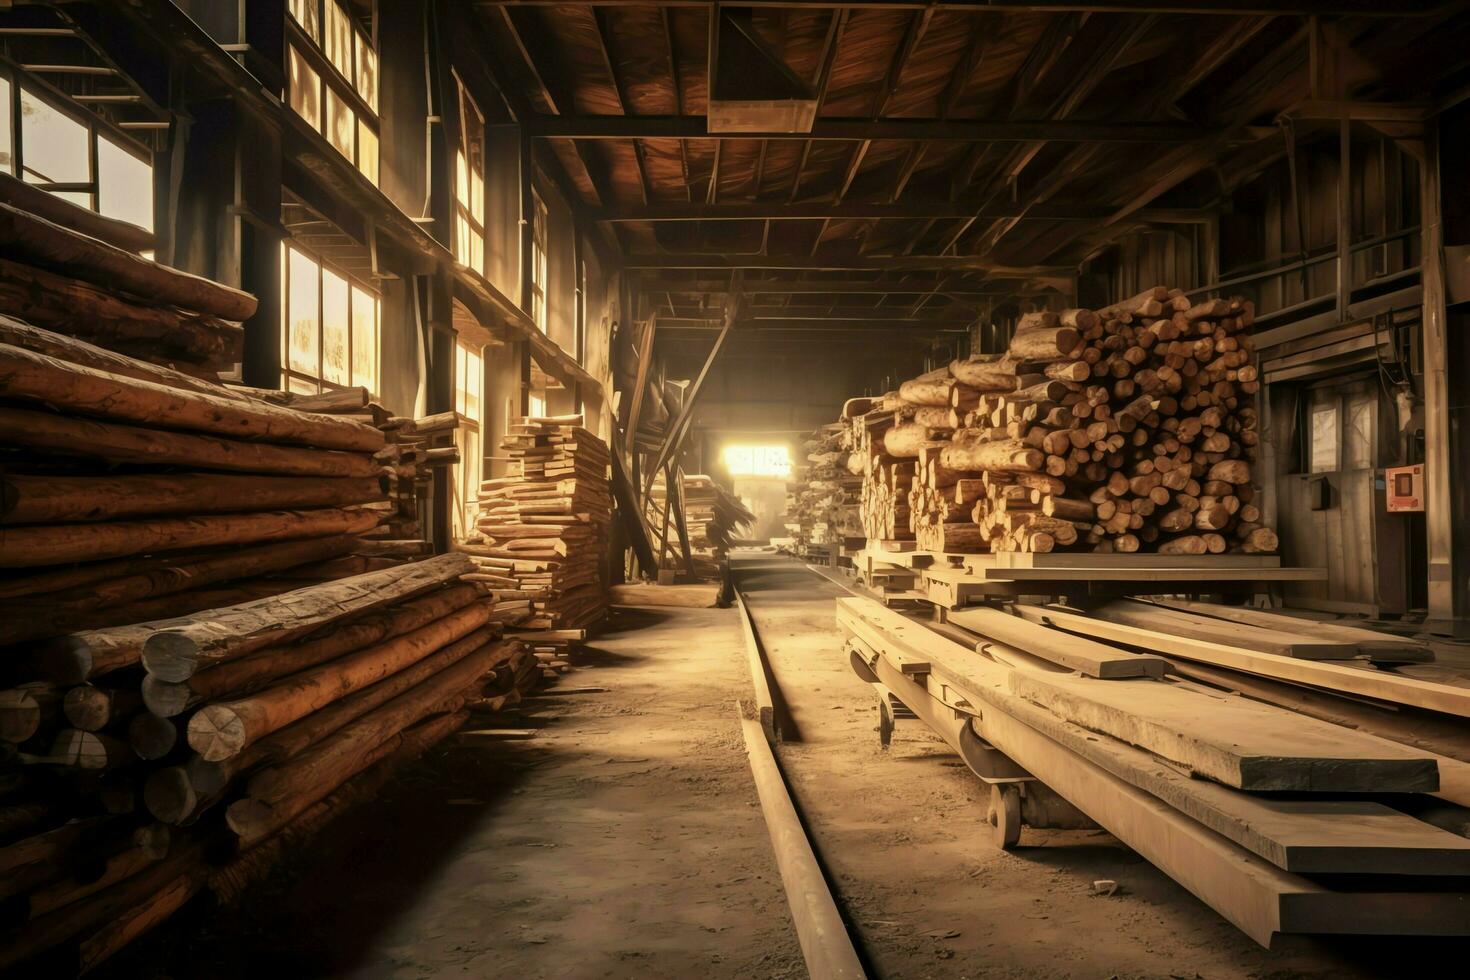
(963, 153)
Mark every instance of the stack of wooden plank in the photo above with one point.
(100, 290)
(542, 532)
(1284, 813)
(413, 450)
(1125, 429)
(713, 518)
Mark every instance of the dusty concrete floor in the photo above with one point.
(902, 834)
(624, 840)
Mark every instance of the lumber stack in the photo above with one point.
(824, 493)
(100, 290)
(1286, 809)
(542, 532)
(142, 756)
(1126, 429)
(130, 489)
(712, 518)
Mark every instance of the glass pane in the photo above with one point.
(1324, 439)
(1358, 436)
(54, 146)
(124, 185)
(364, 339)
(339, 124)
(367, 151)
(301, 386)
(473, 372)
(459, 371)
(335, 327)
(305, 13)
(338, 40)
(7, 143)
(306, 90)
(477, 197)
(367, 73)
(461, 179)
(301, 314)
(477, 252)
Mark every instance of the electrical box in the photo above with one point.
(1404, 487)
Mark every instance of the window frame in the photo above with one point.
(472, 147)
(468, 436)
(539, 261)
(342, 85)
(290, 374)
(96, 129)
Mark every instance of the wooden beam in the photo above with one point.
(907, 210)
(604, 47)
(835, 26)
(680, 425)
(591, 128)
(1212, 8)
(971, 263)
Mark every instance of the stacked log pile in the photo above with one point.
(181, 576)
(100, 290)
(1129, 428)
(542, 532)
(824, 494)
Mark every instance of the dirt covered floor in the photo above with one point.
(624, 840)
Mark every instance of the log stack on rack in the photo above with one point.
(542, 531)
(1131, 428)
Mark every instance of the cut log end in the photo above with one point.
(171, 656)
(169, 795)
(216, 733)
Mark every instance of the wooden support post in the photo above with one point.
(1438, 504)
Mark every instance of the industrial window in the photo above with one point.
(1324, 447)
(469, 373)
(332, 79)
(769, 461)
(538, 261)
(330, 327)
(469, 184)
(68, 153)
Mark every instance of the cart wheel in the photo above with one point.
(885, 721)
(1005, 815)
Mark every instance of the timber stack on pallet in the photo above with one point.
(1131, 428)
(541, 532)
(1290, 773)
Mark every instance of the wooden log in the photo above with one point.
(33, 377)
(90, 750)
(224, 729)
(177, 649)
(137, 330)
(45, 243)
(47, 432)
(282, 792)
(78, 351)
(152, 737)
(905, 441)
(1046, 344)
(42, 203)
(75, 599)
(1009, 454)
(24, 709)
(920, 391)
(28, 547)
(255, 670)
(985, 373)
(55, 499)
(91, 709)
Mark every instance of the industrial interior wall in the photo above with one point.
(602, 305)
(401, 365)
(403, 107)
(503, 212)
